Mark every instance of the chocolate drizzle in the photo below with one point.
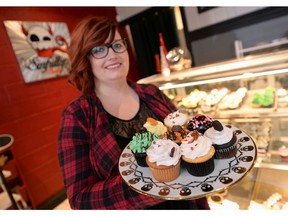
(194, 134)
(217, 125)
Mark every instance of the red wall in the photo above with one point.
(31, 112)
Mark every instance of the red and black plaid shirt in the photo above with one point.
(89, 154)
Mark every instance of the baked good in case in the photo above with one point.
(197, 154)
(139, 144)
(200, 123)
(163, 158)
(223, 139)
(233, 100)
(265, 99)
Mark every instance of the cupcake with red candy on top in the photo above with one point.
(197, 154)
(200, 123)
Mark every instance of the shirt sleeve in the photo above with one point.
(85, 188)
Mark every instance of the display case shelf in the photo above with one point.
(266, 126)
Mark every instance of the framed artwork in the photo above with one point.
(40, 48)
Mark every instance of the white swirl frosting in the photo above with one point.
(219, 137)
(193, 148)
(160, 152)
(175, 118)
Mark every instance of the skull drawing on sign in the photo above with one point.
(43, 41)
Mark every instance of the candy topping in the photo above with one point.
(217, 125)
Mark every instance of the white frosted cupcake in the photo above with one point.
(175, 118)
(163, 158)
(223, 140)
(197, 153)
(176, 123)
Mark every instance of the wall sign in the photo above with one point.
(40, 48)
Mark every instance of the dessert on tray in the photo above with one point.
(163, 158)
(223, 139)
(197, 154)
(139, 144)
(176, 124)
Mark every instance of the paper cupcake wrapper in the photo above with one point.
(200, 169)
(166, 175)
(140, 159)
(223, 153)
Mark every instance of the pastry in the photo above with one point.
(233, 100)
(176, 123)
(155, 127)
(283, 152)
(175, 118)
(268, 98)
(197, 154)
(163, 158)
(265, 99)
(223, 140)
(213, 98)
(200, 123)
(139, 144)
(192, 100)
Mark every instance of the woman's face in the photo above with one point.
(114, 66)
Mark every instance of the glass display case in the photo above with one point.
(250, 93)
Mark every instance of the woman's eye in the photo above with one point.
(98, 49)
(117, 45)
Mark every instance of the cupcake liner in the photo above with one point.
(166, 174)
(223, 153)
(200, 169)
(140, 159)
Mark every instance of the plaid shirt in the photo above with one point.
(88, 153)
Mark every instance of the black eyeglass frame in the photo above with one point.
(124, 40)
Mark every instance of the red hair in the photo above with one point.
(90, 32)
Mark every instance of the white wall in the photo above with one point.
(127, 12)
(196, 21)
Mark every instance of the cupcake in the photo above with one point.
(197, 154)
(139, 144)
(200, 123)
(223, 140)
(155, 127)
(163, 158)
(175, 118)
(283, 152)
(176, 126)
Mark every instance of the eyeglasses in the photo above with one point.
(118, 46)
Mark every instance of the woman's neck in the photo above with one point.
(111, 90)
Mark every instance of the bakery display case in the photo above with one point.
(251, 94)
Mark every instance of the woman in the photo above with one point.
(98, 125)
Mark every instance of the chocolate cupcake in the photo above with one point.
(139, 144)
(200, 123)
(223, 140)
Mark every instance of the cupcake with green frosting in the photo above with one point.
(268, 99)
(139, 144)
